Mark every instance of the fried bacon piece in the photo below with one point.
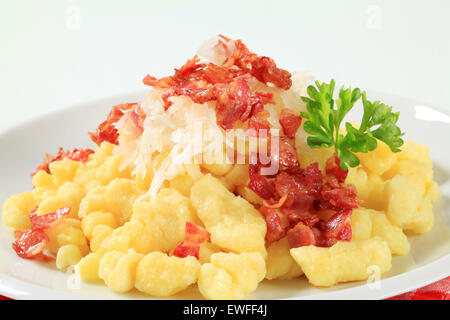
(275, 229)
(194, 237)
(49, 220)
(81, 155)
(308, 207)
(227, 84)
(289, 122)
(333, 168)
(339, 195)
(288, 156)
(259, 184)
(338, 226)
(107, 131)
(301, 235)
(235, 101)
(31, 242)
(265, 70)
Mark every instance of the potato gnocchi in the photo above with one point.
(134, 216)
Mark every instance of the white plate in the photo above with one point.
(24, 147)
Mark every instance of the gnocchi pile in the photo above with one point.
(132, 216)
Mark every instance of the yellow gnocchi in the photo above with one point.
(280, 264)
(16, 210)
(406, 207)
(233, 222)
(118, 269)
(68, 255)
(88, 267)
(231, 276)
(344, 261)
(159, 275)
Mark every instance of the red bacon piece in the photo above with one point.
(236, 102)
(289, 122)
(107, 131)
(259, 125)
(81, 155)
(300, 236)
(287, 156)
(339, 195)
(49, 220)
(275, 230)
(270, 204)
(300, 187)
(218, 74)
(312, 178)
(192, 70)
(259, 184)
(337, 227)
(333, 167)
(30, 243)
(265, 70)
(289, 186)
(194, 237)
(241, 57)
(165, 82)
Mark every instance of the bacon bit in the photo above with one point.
(301, 187)
(333, 168)
(259, 126)
(289, 122)
(312, 178)
(275, 230)
(259, 184)
(190, 246)
(81, 155)
(300, 236)
(265, 70)
(49, 220)
(30, 243)
(289, 186)
(273, 204)
(107, 131)
(300, 212)
(241, 57)
(288, 156)
(219, 74)
(317, 207)
(339, 195)
(337, 228)
(236, 102)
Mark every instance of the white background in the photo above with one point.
(55, 53)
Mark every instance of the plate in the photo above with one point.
(24, 146)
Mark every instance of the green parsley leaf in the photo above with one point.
(324, 117)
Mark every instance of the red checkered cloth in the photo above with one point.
(436, 291)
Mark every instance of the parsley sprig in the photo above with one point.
(325, 115)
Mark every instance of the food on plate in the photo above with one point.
(230, 172)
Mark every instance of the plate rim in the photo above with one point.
(436, 270)
(21, 290)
